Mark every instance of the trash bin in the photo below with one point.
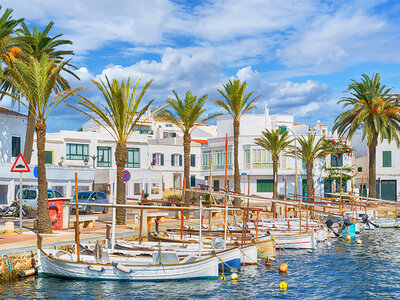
(59, 213)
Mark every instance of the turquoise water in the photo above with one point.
(367, 271)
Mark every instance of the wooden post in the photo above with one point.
(285, 211)
(226, 176)
(141, 219)
(307, 208)
(183, 204)
(258, 218)
(78, 250)
(300, 202)
(340, 193)
(210, 187)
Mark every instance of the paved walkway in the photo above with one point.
(17, 243)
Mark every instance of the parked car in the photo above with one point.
(90, 197)
(30, 196)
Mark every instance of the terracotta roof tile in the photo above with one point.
(10, 112)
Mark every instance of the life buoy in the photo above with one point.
(58, 208)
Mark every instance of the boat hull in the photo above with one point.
(51, 266)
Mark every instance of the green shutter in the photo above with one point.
(387, 159)
(48, 157)
(265, 186)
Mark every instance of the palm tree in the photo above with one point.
(36, 44)
(187, 115)
(236, 102)
(274, 142)
(35, 81)
(309, 150)
(7, 28)
(119, 116)
(373, 110)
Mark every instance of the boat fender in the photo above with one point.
(96, 268)
(124, 269)
(234, 276)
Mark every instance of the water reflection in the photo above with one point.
(350, 271)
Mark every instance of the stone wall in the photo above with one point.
(12, 264)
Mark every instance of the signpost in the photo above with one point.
(127, 175)
(20, 166)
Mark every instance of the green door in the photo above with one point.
(216, 185)
(389, 188)
(304, 187)
(364, 191)
(327, 188)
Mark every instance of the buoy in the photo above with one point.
(234, 276)
(309, 251)
(28, 272)
(223, 277)
(283, 268)
(268, 262)
(283, 286)
(328, 243)
(359, 242)
(348, 239)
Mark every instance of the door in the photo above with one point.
(389, 188)
(177, 181)
(363, 192)
(304, 185)
(216, 185)
(327, 188)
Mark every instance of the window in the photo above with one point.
(261, 158)
(192, 160)
(192, 180)
(48, 157)
(133, 160)
(265, 186)
(104, 156)
(137, 190)
(172, 134)
(15, 146)
(77, 151)
(206, 161)
(155, 188)
(247, 159)
(216, 185)
(60, 189)
(3, 193)
(219, 162)
(282, 162)
(337, 160)
(303, 164)
(387, 159)
(359, 169)
(158, 159)
(176, 160)
(168, 125)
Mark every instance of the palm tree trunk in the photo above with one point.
(30, 127)
(372, 166)
(309, 166)
(236, 174)
(186, 168)
(275, 162)
(186, 159)
(43, 218)
(121, 154)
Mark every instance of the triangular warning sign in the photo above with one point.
(20, 165)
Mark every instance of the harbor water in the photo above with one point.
(344, 271)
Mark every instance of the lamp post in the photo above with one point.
(93, 157)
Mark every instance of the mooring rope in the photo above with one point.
(282, 247)
(236, 270)
(254, 260)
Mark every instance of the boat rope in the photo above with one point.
(254, 260)
(236, 270)
(282, 247)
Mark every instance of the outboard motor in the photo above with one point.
(364, 220)
(329, 224)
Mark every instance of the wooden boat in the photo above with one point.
(265, 245)
(121, 268)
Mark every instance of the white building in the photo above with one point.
(387, 167)
(12, 141)
(256, 163)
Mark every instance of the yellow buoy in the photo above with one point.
(283, 286)
(234, 276)
(348, 239)
(359, 242)
(223, 277)
(268, 262)
(283, 268)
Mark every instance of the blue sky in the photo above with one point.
(298, 54)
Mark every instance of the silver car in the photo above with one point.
(30, 196)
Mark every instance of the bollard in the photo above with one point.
(9, 227)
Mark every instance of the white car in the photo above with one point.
(30, 196)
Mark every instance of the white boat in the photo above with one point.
(296, 241)
(165, 267)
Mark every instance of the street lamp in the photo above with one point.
(93, 157)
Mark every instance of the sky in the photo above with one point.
(299, 55)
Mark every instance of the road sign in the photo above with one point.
(127, 175)
(243, 174)
(35, 172)
(20, 165)
(321, 179)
